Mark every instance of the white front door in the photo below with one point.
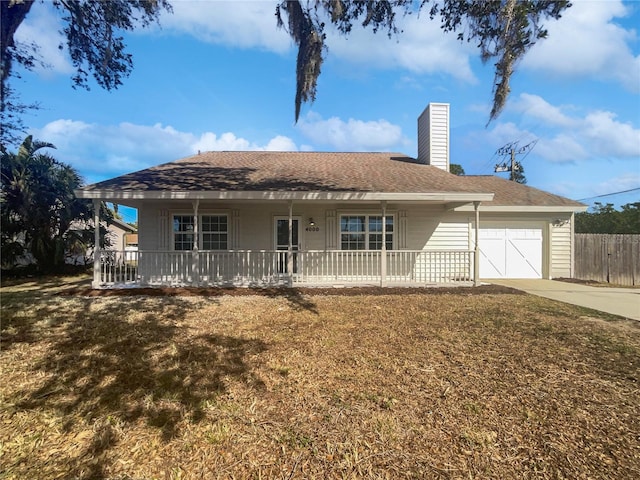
(510, 252)
(281, 241)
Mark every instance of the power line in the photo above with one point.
(489, 165)
(609, 194)
(511, 165)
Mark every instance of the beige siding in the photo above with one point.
(423, 228)
(433, 135)
(251, 225)
(148, 219)
(561, 240)
(116, 237)
(423, 137)
(255, 224)
(432, 228)
(432, 243)
(449, 235)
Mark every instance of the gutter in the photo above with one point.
(116, 195)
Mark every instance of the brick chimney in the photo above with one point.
(433, 136)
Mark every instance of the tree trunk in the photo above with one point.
(12, 13)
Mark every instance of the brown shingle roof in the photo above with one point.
(511, 193)
(289, 171)
(320, 172)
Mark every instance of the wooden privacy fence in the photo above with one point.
(608, 258)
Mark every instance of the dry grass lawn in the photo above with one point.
(416, 385)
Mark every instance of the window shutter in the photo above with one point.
(163, 230)
(402, 229)
(331, 237)
(235, 229)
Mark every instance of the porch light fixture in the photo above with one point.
(311, 222)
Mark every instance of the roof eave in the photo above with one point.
(526, 208)
(120, 195)
(123, 225)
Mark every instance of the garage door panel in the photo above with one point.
(492, 258)
(524, 233)
(524, 258)
(510, 252)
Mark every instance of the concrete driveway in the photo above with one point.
(618, 301)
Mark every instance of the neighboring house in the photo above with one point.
(311, 218)
(119, 238)
(121, 235)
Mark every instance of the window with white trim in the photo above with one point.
(183, 231)
(213, 232)
(364, 232)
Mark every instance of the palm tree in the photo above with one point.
(38, 205)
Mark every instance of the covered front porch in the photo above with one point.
(264, 268)
(206, 248)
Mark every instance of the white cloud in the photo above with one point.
(228, 141)
(103, 151)
(607, 136)
(590, 192)
(503, 133)
(586, 146)
(421, 48)
(352, 135)
(563, 147)
(536, 107)
(246, 24)
(587, 42)
(42, 26)
(565, 136)
(281, 143)
(620, 183)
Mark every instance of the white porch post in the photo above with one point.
(476, 252)
(195, 263)
(96, 244)
(383, 253)
(290, 246)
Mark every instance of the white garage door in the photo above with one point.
(510, 252)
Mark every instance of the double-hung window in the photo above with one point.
(183, 232)
(364, 232)
(213, 232)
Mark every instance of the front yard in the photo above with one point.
(436, 384)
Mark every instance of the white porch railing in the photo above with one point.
(268, 268)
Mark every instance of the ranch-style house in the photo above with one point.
(334, 219)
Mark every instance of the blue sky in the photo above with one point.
(219, 75)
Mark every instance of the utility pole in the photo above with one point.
(511, 165)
